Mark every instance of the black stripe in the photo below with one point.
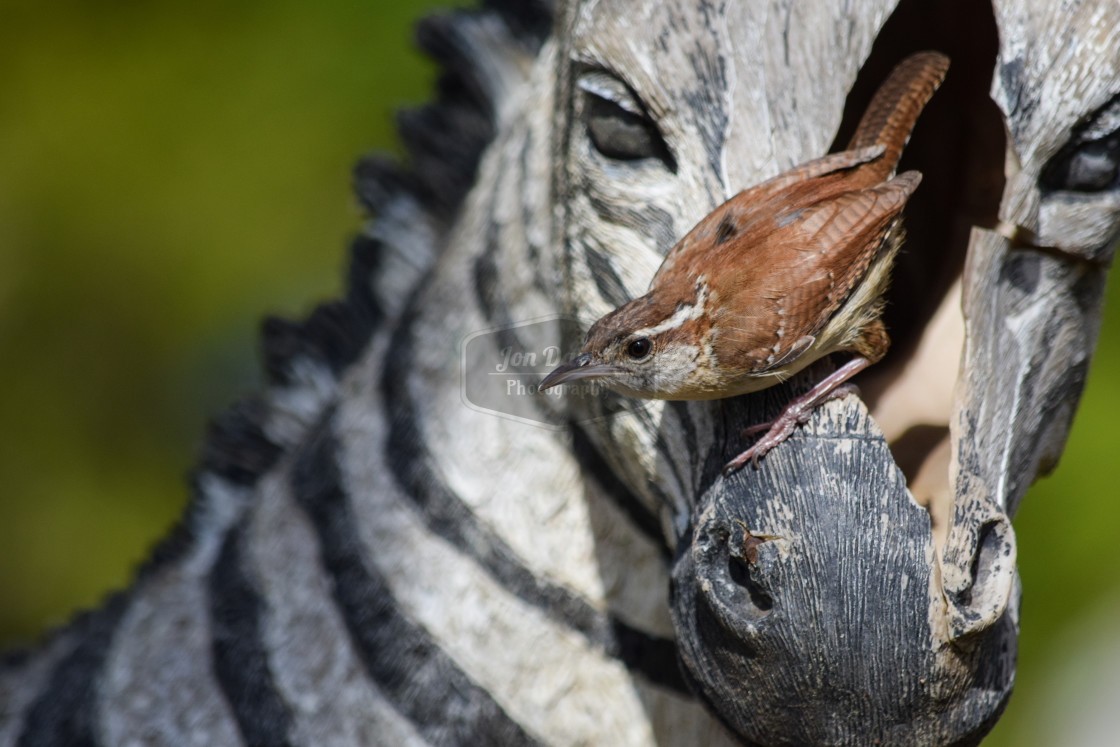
(410, 669)
(236, 447)
(65, 713)
(655, 657)
(533, 248)
(486, 275)
(653, 222)
(240, 661)
(530, 20)
(607, 282)
(645, 417)
(487, 271)
(712, 460)
(707, 100)
(445, 515)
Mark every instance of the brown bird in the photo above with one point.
(779, 276)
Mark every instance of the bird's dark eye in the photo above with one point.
(638, 349)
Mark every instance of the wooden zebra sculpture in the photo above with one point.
(372, 558)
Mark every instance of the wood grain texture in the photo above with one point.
(1032, 295)
(830, 626)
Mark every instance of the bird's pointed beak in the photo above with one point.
(580, 367)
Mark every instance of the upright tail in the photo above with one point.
(894, 109)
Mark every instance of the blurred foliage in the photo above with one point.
(169, 173)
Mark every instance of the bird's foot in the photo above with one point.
(796, 413)
(779, 430)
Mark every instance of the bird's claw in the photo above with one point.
(780, 428)
(756, 428)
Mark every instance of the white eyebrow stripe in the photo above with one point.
(683, 313)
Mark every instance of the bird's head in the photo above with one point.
(650, 348)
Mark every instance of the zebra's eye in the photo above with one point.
(1092, 166)
(1090, 160)
(617, 124)
(616, 133)
(638, 349)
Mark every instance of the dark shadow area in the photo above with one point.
(958, 145)
(912, 447)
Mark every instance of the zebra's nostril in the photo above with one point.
(739, 569)
(729, 577)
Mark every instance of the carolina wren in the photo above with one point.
(777, 277)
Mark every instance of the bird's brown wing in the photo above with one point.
(841, 237)
(741, 213)
(804, 269)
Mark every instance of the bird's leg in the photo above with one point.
(798, 411)
(841, 391)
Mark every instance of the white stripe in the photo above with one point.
(544, 675)
(682, 314)
(158, 686)
(314, 666)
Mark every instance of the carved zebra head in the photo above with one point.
(664, 110)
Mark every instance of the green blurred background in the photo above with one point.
(171, 172)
